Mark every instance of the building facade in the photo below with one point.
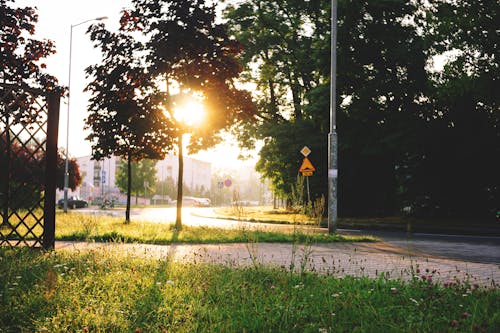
(98, 177)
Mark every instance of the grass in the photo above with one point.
(269, 215)
(84, 227)
(264, 214)
(107, 291)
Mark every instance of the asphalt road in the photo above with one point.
(484, 249)
(481, 249)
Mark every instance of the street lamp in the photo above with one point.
(332, 136)
(66, 165)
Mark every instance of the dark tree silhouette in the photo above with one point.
(124, 116)
(188, 50)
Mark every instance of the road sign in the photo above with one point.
(305, 151)
(306, 168)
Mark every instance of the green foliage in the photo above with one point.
(399, 123)
(143, 177)
(454, 171)
(99, 291)
(166, 187)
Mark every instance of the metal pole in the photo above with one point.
(308, 195)
(332, 136)
(66, 163)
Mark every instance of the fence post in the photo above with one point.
(53, 102)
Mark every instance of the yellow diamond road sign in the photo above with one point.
(306, 168)
(305, 151)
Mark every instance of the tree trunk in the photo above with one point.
(129, 186)
(178, 220)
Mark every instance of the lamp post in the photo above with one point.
(66, 164)
(332, 136)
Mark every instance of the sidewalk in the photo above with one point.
(337, 259)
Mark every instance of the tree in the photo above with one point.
(124, 116)
(26, 183)
(75, 178)
(21, 72)
(380, 83)
(166, 188)
(454, 171)
(143, 177)
(188, 50)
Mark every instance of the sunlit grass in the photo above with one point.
(280, 215)
(84, 227)
(265, 214)
(108, 291)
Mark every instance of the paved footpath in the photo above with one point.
(338, 259)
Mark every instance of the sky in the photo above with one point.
(55, 18)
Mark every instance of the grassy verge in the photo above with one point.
(99, 291)
(264, 214)
(269, 215)
(83, 227)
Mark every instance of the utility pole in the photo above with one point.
(332, 136)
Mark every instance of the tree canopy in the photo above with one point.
(405, 130)
(190, 56)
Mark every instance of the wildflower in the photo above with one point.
(454, 323)
(394, 290)
(414, 300)
(273, 287)
(335, 295)
(464, 314)
(170, 283)
(448, 283)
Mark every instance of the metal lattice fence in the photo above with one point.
(28, 162)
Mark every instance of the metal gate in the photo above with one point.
(29, 122)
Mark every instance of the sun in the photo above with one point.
(191, 113)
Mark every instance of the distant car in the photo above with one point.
(202, 202)
(73, 202)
